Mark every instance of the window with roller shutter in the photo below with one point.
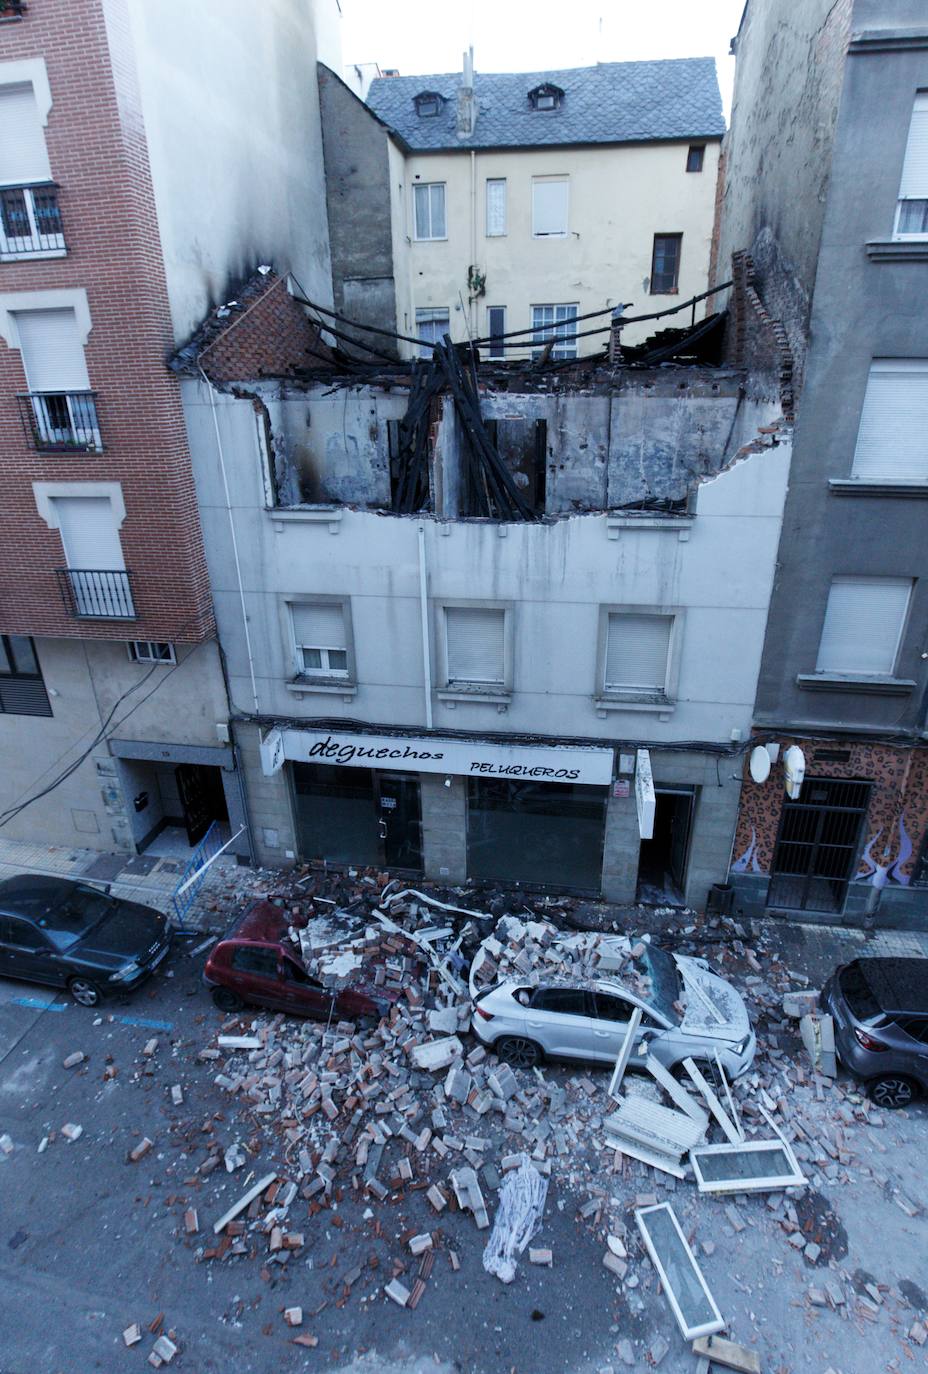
(864, 621)
(320, 637)
(22, 691)
(892, 439)
(23, 155)
(550, 197)
(912, 208)
(475, 646)
(637, 654)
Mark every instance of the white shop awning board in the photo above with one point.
(670, 1254)
(784, 1173)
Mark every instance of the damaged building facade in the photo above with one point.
(483, 622)
(844, 677)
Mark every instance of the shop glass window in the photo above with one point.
(541, 834)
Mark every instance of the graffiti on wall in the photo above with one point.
(897, 815)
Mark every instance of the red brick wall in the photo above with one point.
(96, 145)
(271, 338)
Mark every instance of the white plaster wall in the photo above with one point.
(619, 198)
(557, 575)
(231, 112)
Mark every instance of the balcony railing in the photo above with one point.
(97, 593)
(61, 421)
(30, 222)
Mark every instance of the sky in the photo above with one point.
(420, 36)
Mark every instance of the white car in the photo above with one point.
(522, 1022)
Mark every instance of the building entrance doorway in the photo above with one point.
(662, 859)
(816, 851)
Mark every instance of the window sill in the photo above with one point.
(33, 256)
(861, 486)
(497, 697)
(305, 515)
(324, 686)
(897, 250)
(682, 524)
(659, 706)
(439, 238)
(869, 684)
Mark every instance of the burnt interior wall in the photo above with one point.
(331, 449)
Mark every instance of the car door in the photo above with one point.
(611, 1016)
(303, 995)
(25, 953)
(559, 1019)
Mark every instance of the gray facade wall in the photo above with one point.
(357, 188)
(863, 308)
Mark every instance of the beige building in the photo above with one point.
(521, 201)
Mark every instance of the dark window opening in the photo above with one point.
(249, 959)
(694, 158)
(546, 97)
(665, 264)
(496, 328)
(22, 691)
(816, 850)
(538, 834)
(662, 859)
(523, 447)
(428, 104)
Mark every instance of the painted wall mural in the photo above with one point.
(897, 818)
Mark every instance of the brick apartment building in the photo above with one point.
(142, 174)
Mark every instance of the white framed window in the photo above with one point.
(496, 207)
(496, 328)
(30, 223)
(63, 413)
(151, 651)
(321, 638)
(429, 210)
(23, 155)
(476, 651)
(864, 622)
(912, 207)
(636, 661)
(556, 322)
(432, 324)
(550, 196)
(892, 440)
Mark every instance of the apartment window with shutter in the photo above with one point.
(475, 646)
(864, 621)
(496, 328)
(892, 440)
(496, 207)
(912, 208)
(320, 638)
(23, 155)
(637, 654)
(60, 406)
(22, 691)
(549, 207)
(429, 208)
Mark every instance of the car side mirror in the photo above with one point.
(107, 888)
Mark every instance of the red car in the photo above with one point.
(256, 962)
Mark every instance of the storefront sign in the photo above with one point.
(460, 758)
(644, 795)
(272, 753)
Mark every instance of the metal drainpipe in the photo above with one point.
(424, 612)
(473, 236)
(238, 566)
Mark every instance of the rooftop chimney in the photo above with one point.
(467, 105)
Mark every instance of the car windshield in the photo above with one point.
(663, 990)
(859, 995)
(82, 909)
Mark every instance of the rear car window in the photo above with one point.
(569, 1001)
(250, 959)
(915, 1026)
(859, 995)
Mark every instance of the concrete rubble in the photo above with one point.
(381, 1112)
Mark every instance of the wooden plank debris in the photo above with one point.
(728, 1354)
(254, 1191)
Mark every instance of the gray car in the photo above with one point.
(880, 1013)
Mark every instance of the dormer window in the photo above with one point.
(428, 104)
(546, 97)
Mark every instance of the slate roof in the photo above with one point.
(613, 102)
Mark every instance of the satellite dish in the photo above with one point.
(760, 764)
(794, 767)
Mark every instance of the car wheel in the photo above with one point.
(518, 1051)
(227, 1000)
(892, 1091)
(85, 992)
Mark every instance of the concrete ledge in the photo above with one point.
(897, 250)
(888, 40)
(681, 524)
(840, 486)
(664, 708)
(304, 687)
(451, 696)
(847, 682)
(309, 515)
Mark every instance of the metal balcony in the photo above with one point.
(30, 222)
(97, 593)
(61, 421)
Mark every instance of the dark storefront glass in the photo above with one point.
(540, 834)
(357, 816)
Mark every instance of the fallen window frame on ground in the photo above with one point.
(791, 1177)
(715, 1106)
(625, 1053)
(689, 1332)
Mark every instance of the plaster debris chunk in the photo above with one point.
(72, 1060)
(398, 1292)
(132, 1334)
(72, 1132)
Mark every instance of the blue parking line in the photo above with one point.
(144, 1021)
(34, 1002)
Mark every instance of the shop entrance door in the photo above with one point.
(662, 859)
(400, 820)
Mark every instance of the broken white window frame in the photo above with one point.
(689, 1332)
(625, 1053)
(715, 1106)
(790, 1177)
